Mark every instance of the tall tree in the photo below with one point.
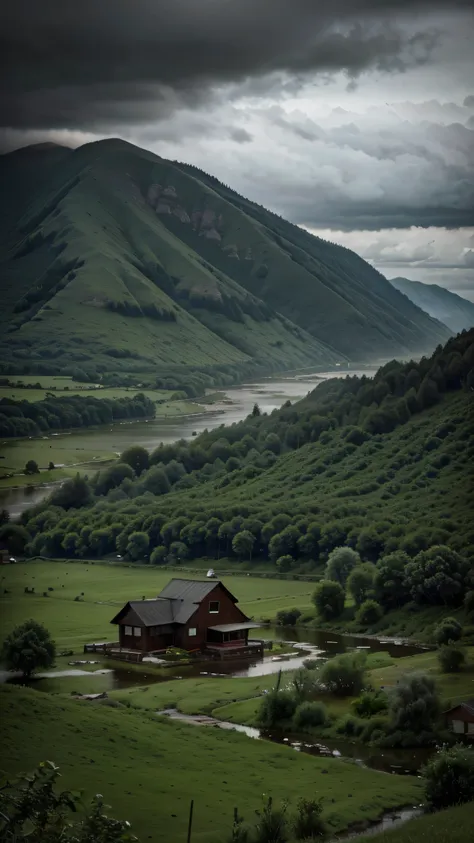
(29, 647)
(242, 544)
(341, 561)
(137, 458)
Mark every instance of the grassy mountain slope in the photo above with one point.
(457, 313)
(90, 264)
(133, 263)
(381, 464)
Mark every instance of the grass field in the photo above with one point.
(107, 586)
(83, 446)
(64, 387)
(149, 769)
(196, 696)
(452, 826)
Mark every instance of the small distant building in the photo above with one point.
(460, 718)
(192, 615)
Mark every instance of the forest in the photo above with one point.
(377, 466)
(25, 418)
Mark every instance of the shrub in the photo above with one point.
(305, 683)
(310, 714)
(449, 777)
(344, 675)
(369, 613)
(288, 617)
(451, 659)
(370, 703)
(374, 729)
(275, 707)
(448, 630)
(414, 704)
(308, 823)
(329, 599)
(311, 664)
(349, 725)
(469, 602)
(272, 824)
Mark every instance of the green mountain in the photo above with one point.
(454, 311)
(116, 261)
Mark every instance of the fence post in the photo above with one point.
(190, 823)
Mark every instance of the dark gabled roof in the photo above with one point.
(467, 704)
(193, 591)
(148, 612)
(175, 604)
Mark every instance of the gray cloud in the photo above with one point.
(432, 256)
(99, 64)
(369, 170)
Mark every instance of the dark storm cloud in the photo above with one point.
(105, 62)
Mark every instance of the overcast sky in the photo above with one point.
(352, 118)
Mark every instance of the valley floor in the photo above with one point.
(150, 768)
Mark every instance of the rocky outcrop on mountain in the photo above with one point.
(211, 234)
(182, 215)
(231, 251)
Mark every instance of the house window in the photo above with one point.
(137, 631)
(458, 727)
(128, 630)
(470, 728)
(192, 631)
(214, 607)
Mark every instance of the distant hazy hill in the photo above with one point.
(114, 260)
(457, 313)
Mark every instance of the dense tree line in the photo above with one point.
(25, 418)
(289, 487)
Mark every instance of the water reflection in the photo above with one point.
(317, 644)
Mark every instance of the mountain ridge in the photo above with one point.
(453, 310)
(119, 262)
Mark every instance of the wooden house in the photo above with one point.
(189, 614)
(460, 718)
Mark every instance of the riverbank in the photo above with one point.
(62, 448)
(453, 825)
(226, 406)
(342, 721)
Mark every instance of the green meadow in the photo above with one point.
(64, 387)
(80, 447)
(150, 768)
(107, 587)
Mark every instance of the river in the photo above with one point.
(236, 404)
(302, 644)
